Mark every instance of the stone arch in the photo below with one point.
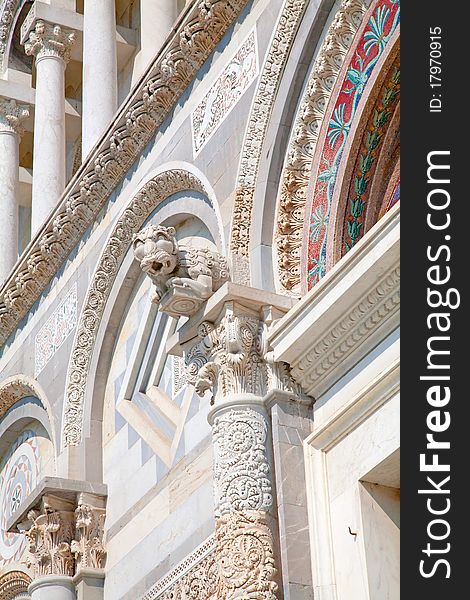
(159, 187)
(14, 584)
(370, 161)
(310, 114)
(15, 388)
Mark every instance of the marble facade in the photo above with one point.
(182, 413)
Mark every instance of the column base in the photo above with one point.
(52, 587)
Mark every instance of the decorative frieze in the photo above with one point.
(12, 117)
(49, 40)
(203, 26)
(225, 93)
(50, 537)
(55, 331)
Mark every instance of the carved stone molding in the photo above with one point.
(269, 82)
(190, 574)
(7, 15)
(173, 70)
(290, 212)
(245, 555)
(242, 475)
(87, 547)
(380, 304)
(119, 242)
(184, 276)
(49, 40)
(50, 538)
(14, 585)
(12, 116)
(14, 389)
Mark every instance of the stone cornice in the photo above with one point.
(354, 307)
(189, 46)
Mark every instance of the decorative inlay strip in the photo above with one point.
(206, 549)
(55, 331)
(225, 93)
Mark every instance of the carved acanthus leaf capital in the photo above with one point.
(87, 546)
(50, 40)
(49, 538)
(233, 359)
(12, 116)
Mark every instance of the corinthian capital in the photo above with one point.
(12, 116)
(50, 536)
(49, 40)
(232, 358)
(88, 545)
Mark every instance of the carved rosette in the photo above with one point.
(50, 40)
(12, 116)
(49, 540)
(241, 468)
(87, 546)
(245, 556)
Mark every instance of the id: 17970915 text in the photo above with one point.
(435, 69)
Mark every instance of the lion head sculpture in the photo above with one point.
(156, 249)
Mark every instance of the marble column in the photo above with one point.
(51, 561)
(50, 44)
(237, 369)
(99, 70)
(12, 116)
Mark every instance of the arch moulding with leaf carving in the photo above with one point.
(143, 204)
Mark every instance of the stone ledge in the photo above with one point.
(65, 489)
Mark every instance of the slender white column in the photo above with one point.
(99, 70)
(156, 21)
(11, 118)
(50, 44)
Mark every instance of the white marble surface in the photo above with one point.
(9, 161)
(99, 70)
(49, 138)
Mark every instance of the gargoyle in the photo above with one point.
(184, 276)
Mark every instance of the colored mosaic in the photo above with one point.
(224, 94)
(18, 476)
(372, 143)
(56, 330)
(374, 39)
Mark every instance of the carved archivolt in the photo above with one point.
(290, 213)
(173, 70)
(7, 15)
(131, 220)
(266, 92)
(17, 387)
(14, 585)
(241, 468)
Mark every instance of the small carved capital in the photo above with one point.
(49, 537)
(12, 116)
(50, 40)
(232, 358)
(87, 546)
